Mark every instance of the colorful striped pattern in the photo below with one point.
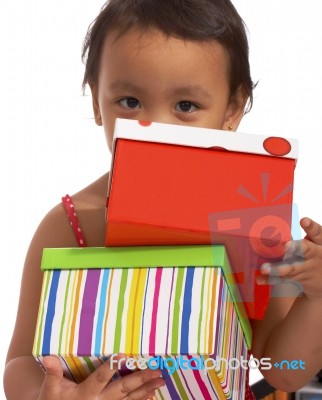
(87, 315)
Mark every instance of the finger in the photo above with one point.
(53, 367)
(300, 249)
(293, 251)
(296, 249)
(145, 391)
(262, 280)
(268, 280)
(312, 229)
(283, 269)
(292, 286)
(53, 377)
(97, 380)
(136, 385)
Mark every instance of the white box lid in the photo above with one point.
(192, 136)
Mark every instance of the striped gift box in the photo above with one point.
(174, 303)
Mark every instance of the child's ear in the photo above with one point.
(96, 108)
(236, 109)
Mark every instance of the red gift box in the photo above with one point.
(177, 185)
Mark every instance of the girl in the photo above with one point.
(179, 62)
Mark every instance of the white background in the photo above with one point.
(50, 146)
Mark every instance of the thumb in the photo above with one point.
(312, 229)
(53, 367)
(54, 375)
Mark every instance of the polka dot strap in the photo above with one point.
(71, 214)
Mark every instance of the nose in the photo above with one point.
(160, 115)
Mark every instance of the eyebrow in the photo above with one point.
(189, 90)
(124, 85)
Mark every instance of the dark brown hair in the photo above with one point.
(196, 20)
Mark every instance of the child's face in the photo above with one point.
(150, 77)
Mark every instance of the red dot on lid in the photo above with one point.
(277, 146)
(218, 148)
(145, 123)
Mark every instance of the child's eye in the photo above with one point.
(130, 102)
(186, 106)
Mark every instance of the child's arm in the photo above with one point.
(292, 329)
(24, 379)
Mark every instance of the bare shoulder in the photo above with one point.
(93, 195)
(90, 205)
(280, 304)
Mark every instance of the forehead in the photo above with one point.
(153, 55)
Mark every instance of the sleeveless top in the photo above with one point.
(71, 214)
